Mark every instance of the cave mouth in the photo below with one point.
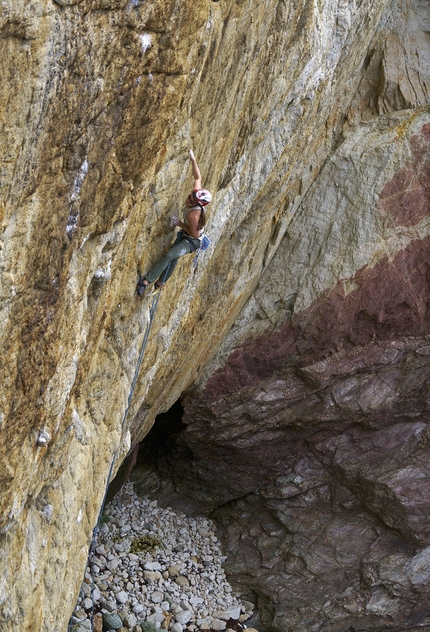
(157, 445)
(160, 440)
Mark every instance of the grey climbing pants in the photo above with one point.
(180, 248)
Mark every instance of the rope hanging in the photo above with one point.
(152, 312)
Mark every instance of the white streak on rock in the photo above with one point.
(146, 42)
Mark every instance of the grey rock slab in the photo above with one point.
(121, 597)
(183, 617)
(88, 603)
(157, 597)
(232, 613)
(86, 588)
(418, 569)
(112, 621)
(382, 604)
(130, 620)
(157, 617)
(113, 564)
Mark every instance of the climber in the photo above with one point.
(187, 240)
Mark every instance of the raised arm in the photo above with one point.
(196, 172)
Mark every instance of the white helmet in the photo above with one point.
(202, 196)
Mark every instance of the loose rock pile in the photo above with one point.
(156, 569)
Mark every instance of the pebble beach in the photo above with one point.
(153, 568)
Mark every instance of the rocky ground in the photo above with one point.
(153, 568)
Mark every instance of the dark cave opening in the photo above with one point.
(158, 443)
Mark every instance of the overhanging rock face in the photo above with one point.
(303, 330)
(307, 438)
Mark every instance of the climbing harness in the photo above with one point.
(152, 312)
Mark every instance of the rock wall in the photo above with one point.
(307, 438)
(321, 186)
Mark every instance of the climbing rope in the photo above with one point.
(152, 312)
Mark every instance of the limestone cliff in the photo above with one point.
(303, 330)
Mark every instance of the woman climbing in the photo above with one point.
(188, 238)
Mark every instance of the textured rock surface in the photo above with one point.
(308, 439)
(310, 124)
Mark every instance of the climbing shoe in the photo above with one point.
(141, 286)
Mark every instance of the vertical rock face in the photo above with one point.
(304, 326)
